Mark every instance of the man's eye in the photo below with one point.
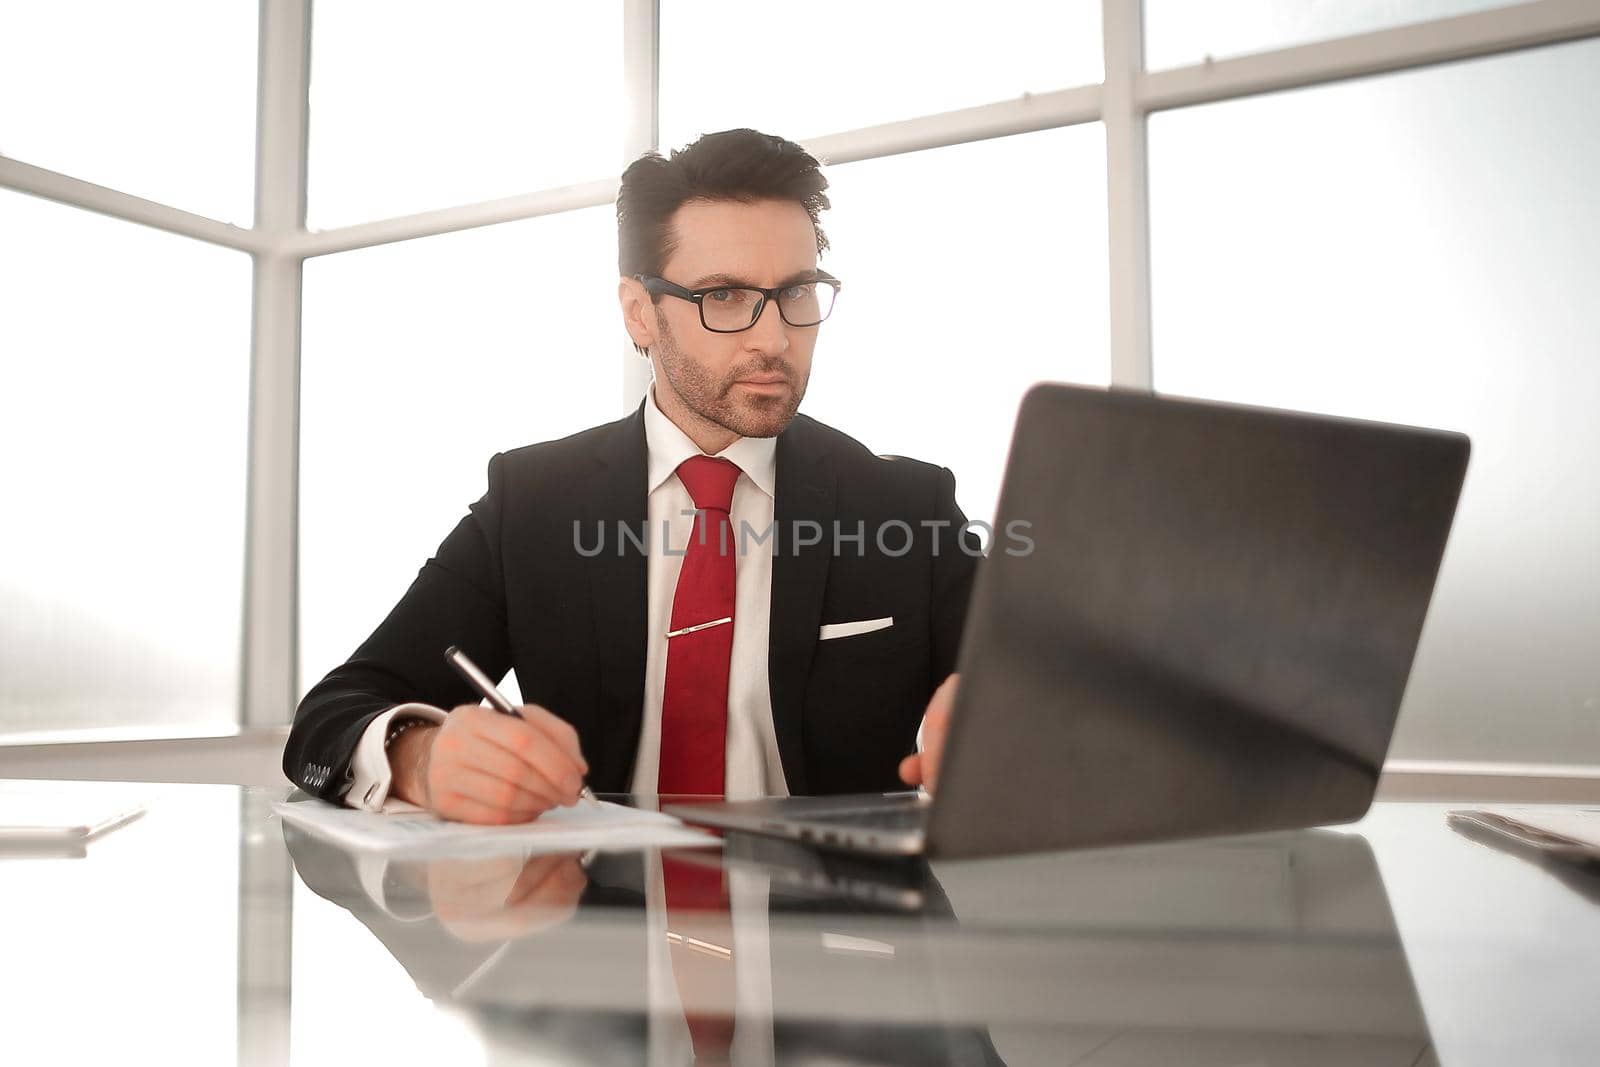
(799, 292)
(728, 296)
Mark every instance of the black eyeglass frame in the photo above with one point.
(661, 287)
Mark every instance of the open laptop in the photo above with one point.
(1211, 635)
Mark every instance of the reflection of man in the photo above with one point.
(504, 896)
(597, 965)
(714, 595)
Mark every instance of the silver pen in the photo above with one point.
(480, 681)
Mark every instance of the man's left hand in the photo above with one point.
(922, 768)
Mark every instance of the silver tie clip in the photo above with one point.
(699, 626)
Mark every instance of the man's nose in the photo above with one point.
(770, 333)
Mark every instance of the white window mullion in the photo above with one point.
(1127, 195)
(1480, 33)
(65, 189)
(1032, 113)
(641, 73)
(270, 655)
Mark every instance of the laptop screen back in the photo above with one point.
(1210, 631)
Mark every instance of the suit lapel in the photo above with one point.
(619, 596)
(804, 493)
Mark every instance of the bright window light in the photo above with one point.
(123, 423)
(155, 98)
(1178, 33)
(421, 360)
(956, 300)
(1419, 248)
(416, 107)
(838, 65)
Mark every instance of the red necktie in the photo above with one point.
(694, 705)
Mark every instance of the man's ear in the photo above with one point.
(638, 312)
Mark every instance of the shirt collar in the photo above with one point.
(667, 447)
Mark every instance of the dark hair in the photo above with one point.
(741, 165)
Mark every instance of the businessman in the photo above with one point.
(715, 595)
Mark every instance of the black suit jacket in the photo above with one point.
(516, 587)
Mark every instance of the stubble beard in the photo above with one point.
(719, 401)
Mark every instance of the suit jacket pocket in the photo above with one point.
(870, 638)
(833, 631)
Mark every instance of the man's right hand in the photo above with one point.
(480, 766)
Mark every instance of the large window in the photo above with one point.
(1421, 248)
(122, 424)
(1388, 212)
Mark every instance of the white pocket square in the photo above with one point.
(831, 630)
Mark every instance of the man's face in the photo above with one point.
(748, 383)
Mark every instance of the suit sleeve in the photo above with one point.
(457, 598)
(956, 552)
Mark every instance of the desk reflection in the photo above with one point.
(1274, 949)
(560, 960)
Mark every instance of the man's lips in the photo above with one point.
(767, 383)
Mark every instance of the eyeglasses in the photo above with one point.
(733, 308)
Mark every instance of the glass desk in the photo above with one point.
(207, 932)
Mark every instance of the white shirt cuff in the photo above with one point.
(370, 776)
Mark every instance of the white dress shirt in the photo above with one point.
(753, 767)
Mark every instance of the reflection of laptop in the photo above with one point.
(798, 874)
(1211, 634)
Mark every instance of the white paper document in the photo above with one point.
(582, 827)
